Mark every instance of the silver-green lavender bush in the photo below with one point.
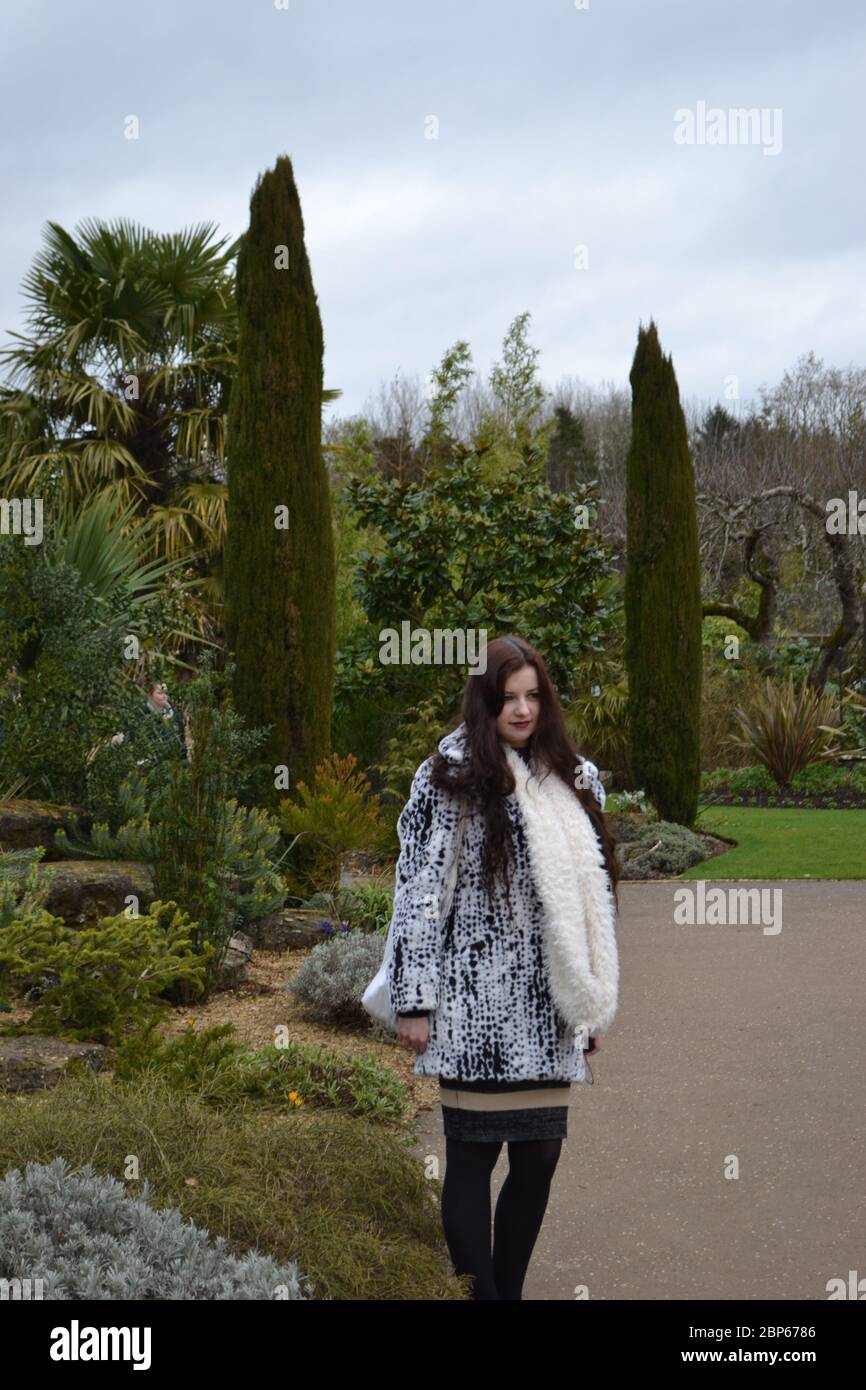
(333, 978)
(85, 1237)
(662, 846)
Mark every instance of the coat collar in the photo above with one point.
(453, 746)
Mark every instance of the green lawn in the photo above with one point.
(780, 843)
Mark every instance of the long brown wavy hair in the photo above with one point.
(484, 779)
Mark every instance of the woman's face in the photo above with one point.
(519, 716)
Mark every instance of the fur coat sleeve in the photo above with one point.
(428, 831)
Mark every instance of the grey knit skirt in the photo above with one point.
(504, 1111)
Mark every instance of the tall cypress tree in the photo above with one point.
(662, 590)
(279, 559)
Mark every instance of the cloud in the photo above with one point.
(555, 130)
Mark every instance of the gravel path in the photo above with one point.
(730, 1044)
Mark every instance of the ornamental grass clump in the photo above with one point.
(346, 1200)
(787, 729)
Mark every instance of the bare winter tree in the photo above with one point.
(763, 490)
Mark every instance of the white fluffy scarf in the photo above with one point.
(572, 881)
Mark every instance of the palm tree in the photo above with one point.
(121, 387)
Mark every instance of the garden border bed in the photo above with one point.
(844, 799)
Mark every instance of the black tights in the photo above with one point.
(519, 1211)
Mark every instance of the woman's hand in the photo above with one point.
(594, 1046)
(413, 1033)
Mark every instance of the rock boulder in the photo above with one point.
(25, 824)
(286, 929)
(236, 960)
(31, 1062)
(83, 890)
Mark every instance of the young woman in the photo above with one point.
(501, 999)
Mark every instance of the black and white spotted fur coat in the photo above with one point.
(481, 973)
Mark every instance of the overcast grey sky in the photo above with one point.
(556, 130)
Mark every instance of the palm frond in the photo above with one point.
(98, 542)
(208, 503)
(171, 529)
(104, 409)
